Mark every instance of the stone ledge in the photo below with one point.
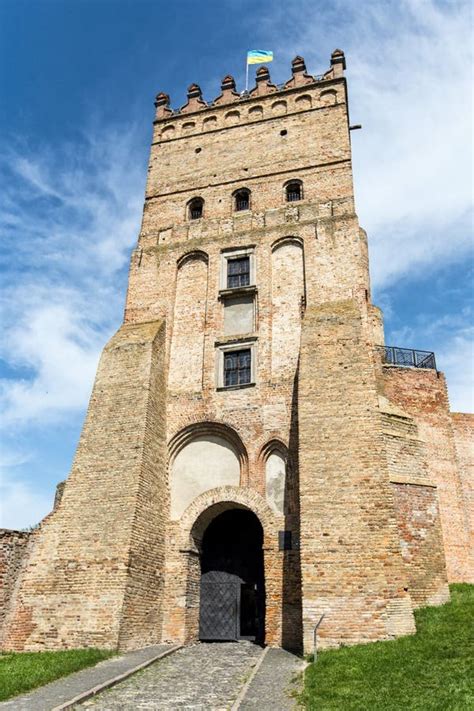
(413, 481)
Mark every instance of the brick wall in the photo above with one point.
(13, 548)
(421, 543)
(423, 394)
(463, 429)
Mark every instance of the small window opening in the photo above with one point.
(294, 192)
(197, 150)
(195, 208)
(237, 367)
(242, 200)
(238, 272)
(283, 132)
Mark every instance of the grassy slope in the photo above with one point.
(431, 671)
(26, 670)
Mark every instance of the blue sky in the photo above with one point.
(78, 80)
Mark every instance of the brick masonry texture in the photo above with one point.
(463, 429)
(423, 395)
(377, 490)
(13, 549)
(421, 543)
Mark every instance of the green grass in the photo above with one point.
(23, 671)
(430, 671)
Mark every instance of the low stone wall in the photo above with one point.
(421, 543)
(463, 429)
(422, 394)
(13, 547)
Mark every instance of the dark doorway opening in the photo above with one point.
(232, 601)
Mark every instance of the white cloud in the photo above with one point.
(62, 348)
(456, 357)
(21, 505)
(70, 219)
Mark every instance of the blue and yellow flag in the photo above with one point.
(257, 56)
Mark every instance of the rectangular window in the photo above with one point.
(237, 367)
(238, 272)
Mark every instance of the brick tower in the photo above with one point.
(242, 469)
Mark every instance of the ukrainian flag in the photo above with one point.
(257, 56)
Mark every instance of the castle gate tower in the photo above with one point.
(232, 478)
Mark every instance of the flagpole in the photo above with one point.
(246, 75)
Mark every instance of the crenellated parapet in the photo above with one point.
(300, 76)
(195, 100)
(263, 87)
(228, 91)
(264, 83)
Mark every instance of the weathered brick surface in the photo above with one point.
(13, 549)
(423, 394)
(117, 562)
(91, 576)
(421, 543)
(463, 429)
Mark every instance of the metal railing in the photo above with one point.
(293, 195)
(392, 355)
(315, 637)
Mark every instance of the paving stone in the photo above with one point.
(275, 684)
(61, 691)
(201, 677)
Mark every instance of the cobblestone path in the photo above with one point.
(201, 677)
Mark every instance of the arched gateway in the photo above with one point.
(232, 586)
(223, 559)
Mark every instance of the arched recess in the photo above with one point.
(187, 340)
(203, 456)
(168, 132)
(303, 102)
(288, 298)
(279, 107)
(274, 462)
(232, 117)
(256, 112)
(328, 97)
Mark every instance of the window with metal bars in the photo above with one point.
(242, 200)
(237, 367)
(294, 192)
(195, 209)
(238, 272)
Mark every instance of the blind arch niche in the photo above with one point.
(288, 287)
(187, 340)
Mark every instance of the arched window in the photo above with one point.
(294, 191)
(242, 200)
(195, 208)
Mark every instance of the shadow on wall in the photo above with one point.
(292, 619)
